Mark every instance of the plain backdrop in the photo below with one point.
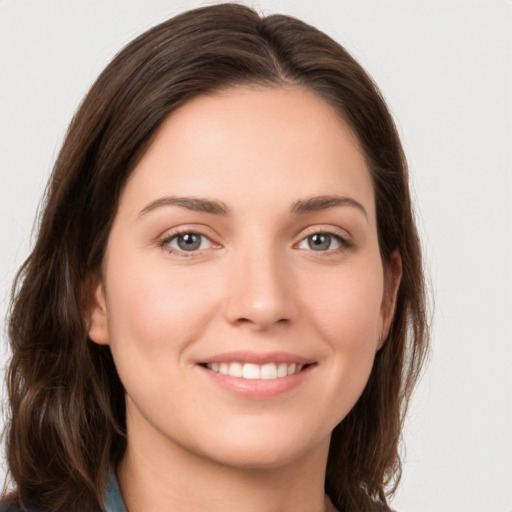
(445, 69)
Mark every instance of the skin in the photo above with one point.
(253, 285)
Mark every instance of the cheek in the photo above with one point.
(347, 317)
(346, 307)
(154, 316)
(153, 309)
(348, 323)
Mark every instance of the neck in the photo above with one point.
(156, 475)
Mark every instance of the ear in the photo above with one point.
(392, 278)
(97, 319)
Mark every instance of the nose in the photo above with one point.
(260, 290)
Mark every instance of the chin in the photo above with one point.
(274, 449)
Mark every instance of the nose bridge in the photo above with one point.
(261, 286)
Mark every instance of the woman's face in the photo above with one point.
(242, 291)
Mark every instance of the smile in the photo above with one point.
(254, 371)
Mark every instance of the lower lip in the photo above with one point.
(257, 388)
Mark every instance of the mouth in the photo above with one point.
(256, 375)
(253, 371)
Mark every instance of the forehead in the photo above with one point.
(265, 144)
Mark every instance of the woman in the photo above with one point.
(224, 308)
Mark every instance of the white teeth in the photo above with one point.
(251, 371)
(282, 370)
(255, 371)
(236, 370)
(268, 371)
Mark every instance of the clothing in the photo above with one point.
(113, 499)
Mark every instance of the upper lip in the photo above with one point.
(259, 358)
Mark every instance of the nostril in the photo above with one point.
(262, 322)
(244, 321)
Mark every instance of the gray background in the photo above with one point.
(445, 69)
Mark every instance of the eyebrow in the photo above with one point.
(302, 206)
(318, 203)
(190, 203)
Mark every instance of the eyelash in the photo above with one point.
(164, 243)
(344, 244)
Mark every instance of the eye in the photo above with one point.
(187, 242)
(322, 242)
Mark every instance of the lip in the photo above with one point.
(257, 389)
(257, 358)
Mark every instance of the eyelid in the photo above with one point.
(164, 240)
(344, 238)
(327, 229)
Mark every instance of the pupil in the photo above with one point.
(189, 242)
(319, 242)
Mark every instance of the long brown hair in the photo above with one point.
(67, 425)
